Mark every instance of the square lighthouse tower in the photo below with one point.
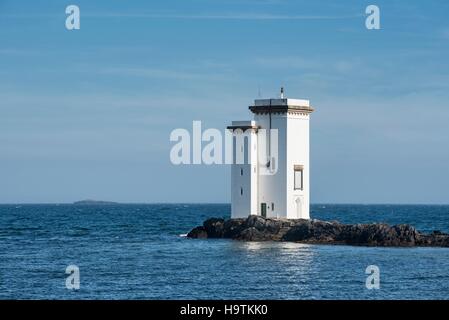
(270, 172)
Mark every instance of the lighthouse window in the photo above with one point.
(241, 191)
(298, 177)
(241, 171)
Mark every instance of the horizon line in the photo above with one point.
(112, 203)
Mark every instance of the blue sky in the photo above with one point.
(88, 113)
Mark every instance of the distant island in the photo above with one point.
(93, 202)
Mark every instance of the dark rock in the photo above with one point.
(273, 225)
(252, 234)
(257, 228)
(436, 240)
(233, 227)
(300, 232)
(314, 231)
(257, 222)
(214, 227)
(198, 233)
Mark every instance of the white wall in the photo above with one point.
(293, 149)
(298, 154)
(272, 188)
(246, 204)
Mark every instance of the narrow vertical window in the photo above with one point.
(241, 171)
(241, 191)
(272, 206)
(298, 177)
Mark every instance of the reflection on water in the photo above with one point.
(282, 246)
(292, 256)
(286, 265)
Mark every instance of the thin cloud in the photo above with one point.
(160, 73)
(15, 52)
(315, 64)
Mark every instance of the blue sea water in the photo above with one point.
(136, 252)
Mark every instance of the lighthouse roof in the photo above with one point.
(282, 102)
(281, 105)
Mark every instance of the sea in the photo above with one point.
(133, 251)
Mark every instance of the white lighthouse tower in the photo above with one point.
(273, 180)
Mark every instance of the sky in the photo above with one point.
(87, 114)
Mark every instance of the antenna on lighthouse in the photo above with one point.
(282, 92)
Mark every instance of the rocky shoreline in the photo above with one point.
(257, 228)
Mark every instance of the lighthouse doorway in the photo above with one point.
(263, 209)
(298, 203)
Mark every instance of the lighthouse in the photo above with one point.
(270, 172)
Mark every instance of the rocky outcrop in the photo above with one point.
(256, 228)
